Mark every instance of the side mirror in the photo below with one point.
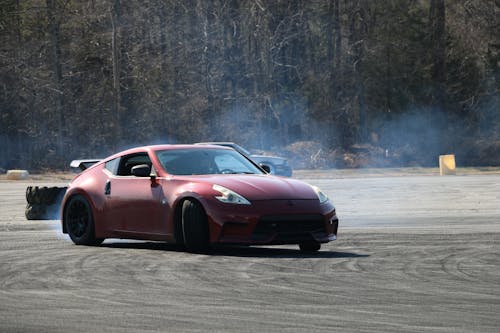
(265, 167)
(141, 170)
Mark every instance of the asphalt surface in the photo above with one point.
(414, 254)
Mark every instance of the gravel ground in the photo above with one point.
(416, 253)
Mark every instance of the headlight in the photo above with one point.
(321, 196)
(229, 196)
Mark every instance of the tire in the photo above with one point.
(43, 195)
(79, 221)
(309, 247)
(43, 203)
(35, 212)
(30, 198)
(194, 227)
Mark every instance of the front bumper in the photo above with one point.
(275, 222)
(295, 229)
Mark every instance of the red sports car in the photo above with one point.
(197, 196)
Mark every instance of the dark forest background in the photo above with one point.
(327, 83)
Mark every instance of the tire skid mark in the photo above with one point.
(440, 279)
(451, 265)
(481, 265)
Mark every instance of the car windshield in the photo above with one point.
(205, 162)
(241, 149)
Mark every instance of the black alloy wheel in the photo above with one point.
(79, 221)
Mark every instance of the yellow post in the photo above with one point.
(446, 165)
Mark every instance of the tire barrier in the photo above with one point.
(43, 203)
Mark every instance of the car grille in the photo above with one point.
(288, 228)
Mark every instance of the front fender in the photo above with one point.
(205, 195)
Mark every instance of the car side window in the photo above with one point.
(129, 161)
(112, 166)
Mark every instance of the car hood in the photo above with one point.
(263, 187)
(272, 159)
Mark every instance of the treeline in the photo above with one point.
(401, 80)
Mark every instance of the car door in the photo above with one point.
(135, 206)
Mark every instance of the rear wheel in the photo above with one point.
(79, 221)
(194, 227)
(309, 247)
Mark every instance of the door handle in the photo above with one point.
(107, 188)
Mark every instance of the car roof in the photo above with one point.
(182, 146)
(217, 143)
(165, 147)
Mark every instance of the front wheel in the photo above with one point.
(194, 227)
(79, 221)
(309, 247)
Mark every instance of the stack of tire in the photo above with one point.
(43, 202)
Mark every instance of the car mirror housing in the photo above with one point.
(265, 167)
(142, 170)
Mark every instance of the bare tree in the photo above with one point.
(56, 71)
(437, 21)
(115, 13)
